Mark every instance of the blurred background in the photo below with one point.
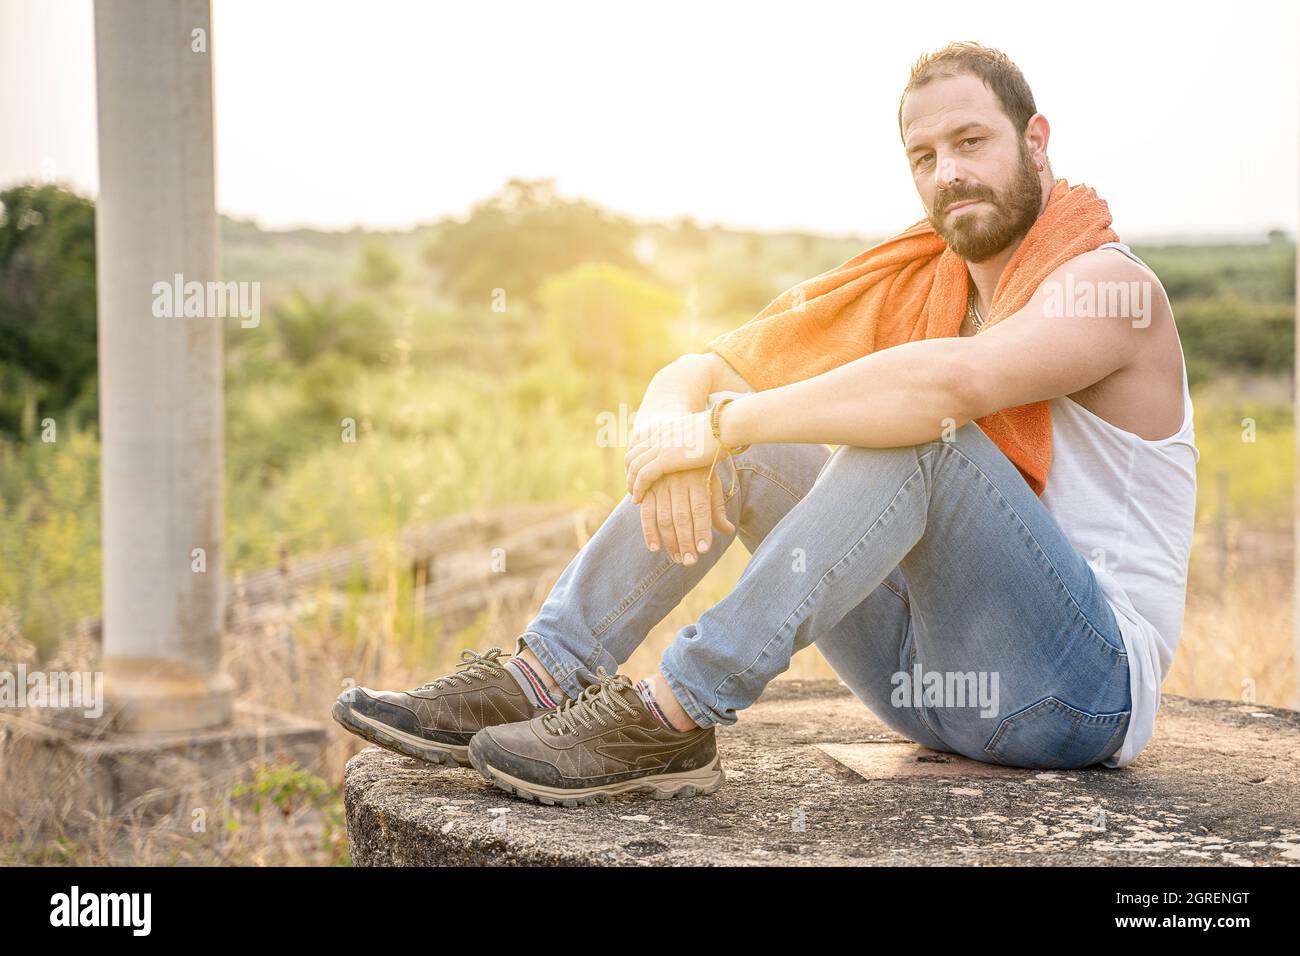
(636, 182)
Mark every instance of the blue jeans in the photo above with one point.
(930, 577)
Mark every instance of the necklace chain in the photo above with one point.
(973, 313)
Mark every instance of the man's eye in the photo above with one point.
(971, 139)
(923, 160)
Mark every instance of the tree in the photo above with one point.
(609, 322)
(47, 305)
(520, 236)
(307, 328)
(380, 268)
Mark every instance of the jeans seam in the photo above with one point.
(1029, 531)
(893, 504)
(771, 476)
(1120, 719)
(920, 711)
(901, 596)
(1112, 747)
(632, 597)
(757, 469)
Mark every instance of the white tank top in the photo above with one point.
(1127, 505)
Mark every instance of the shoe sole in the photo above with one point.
(662, 787)
(390, 738)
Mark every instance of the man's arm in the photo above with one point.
(683, 386)
(681, 510)
(910, 393)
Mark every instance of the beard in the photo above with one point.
(977, 237)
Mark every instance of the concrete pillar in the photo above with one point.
(160, 379)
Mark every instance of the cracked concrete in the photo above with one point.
(814, 779)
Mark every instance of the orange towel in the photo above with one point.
(914, 287)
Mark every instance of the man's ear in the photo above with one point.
(1037, 133)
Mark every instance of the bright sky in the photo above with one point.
(773, 116)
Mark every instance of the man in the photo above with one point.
(994, 558)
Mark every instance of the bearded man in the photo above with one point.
(993, 558)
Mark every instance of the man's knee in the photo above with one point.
(794, 467)
(856, 459)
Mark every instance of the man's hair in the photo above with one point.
(992, 66)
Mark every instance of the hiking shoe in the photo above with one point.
(435, 721)
(588, 749)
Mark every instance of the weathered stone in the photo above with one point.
(65, 773)
(1217, 786)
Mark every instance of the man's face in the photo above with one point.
(973, 169)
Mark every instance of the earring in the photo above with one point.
(1040, 167)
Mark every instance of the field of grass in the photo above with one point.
(458, 407)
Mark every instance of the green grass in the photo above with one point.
(457, 409)
(1247, 444)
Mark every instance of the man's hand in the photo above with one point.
(681, 510)
(676, 444)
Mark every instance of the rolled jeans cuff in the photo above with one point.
(559, 663)
(684, 696)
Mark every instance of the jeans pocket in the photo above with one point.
(1052, 734)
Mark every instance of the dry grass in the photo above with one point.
(1238, 640)
(1236, 644)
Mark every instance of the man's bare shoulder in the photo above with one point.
(1128, 305)
(1101, 266)
(1124, 296)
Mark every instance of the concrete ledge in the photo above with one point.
(65, 771)
(815, 779)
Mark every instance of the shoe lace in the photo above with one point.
(472, 666)
(597, 701)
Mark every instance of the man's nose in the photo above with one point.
(946, 172)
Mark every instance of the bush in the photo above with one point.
(516, 239)
(306, 328)
(1225, 335)
(614, 326)
(47, 305)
